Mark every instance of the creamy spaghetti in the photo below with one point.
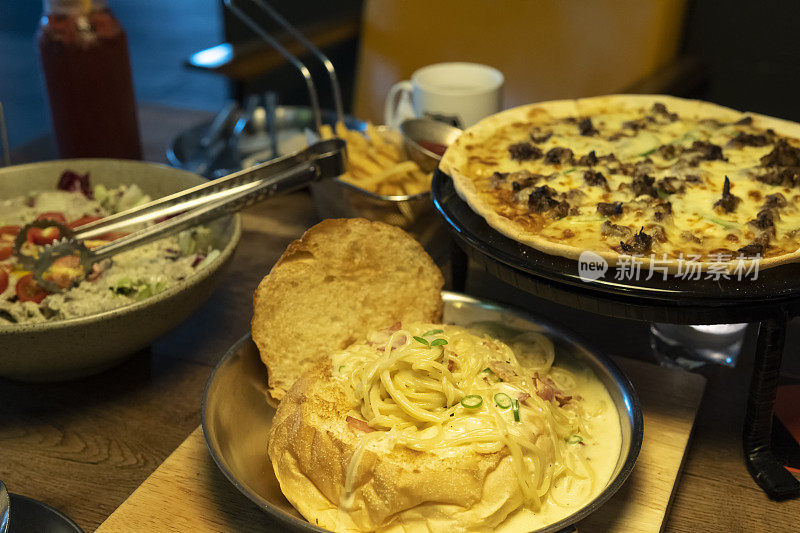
(438, 388)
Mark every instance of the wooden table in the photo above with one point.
(84, 446)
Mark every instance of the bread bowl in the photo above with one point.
(394, 422)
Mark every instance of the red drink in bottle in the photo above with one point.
(87, 69)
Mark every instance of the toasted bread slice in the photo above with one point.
(341, 280)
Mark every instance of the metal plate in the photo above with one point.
(237, 418)
(773, 287)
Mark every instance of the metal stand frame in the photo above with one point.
(765, 469)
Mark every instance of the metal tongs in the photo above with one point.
(225, 195)
(179, 211)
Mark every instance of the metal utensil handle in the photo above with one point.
(299, 65)
(335, 87)
(217, 125)
(5, 508)
(330, 152)
(286, 181)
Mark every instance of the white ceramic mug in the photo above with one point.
(459, 94)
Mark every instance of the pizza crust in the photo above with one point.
(456, 158)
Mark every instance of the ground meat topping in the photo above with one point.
(667, 151)
(757, 247)
(558, 155)
(635, 125)
(595, 179)
(752, 249)
(693, 178)
(728, 202)
(751, 139)
(661, 210)
(609, 209)
(523, 179)
(615, 230)
(524, 151)
(588, 160)
(783, 155)
(640, 243)
(542, 199)
(746, 121)
(765, 221)
(658, 232)
(643, 184)
(706, 151)
(586, 127)
(691, 237)
(561, 210)
(788, 177)
(774, 201)
(669, 185)
(660, 109)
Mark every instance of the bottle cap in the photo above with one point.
(71, 7)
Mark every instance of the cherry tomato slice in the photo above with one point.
(6, 252)
(53, 215)
(43, 236)
(29, 291)
(3, 280)
(85, 219)
(8, 233)
(64, 270)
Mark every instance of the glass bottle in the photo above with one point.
(87, 70)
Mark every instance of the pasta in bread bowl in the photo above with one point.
(391, 421)
(426, 427)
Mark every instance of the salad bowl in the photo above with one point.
(59, 350)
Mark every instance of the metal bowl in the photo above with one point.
(414, 213)
(237, 418)
(68, 349)
(180, 151)
(417, 130)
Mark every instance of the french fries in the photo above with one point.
(377, 162)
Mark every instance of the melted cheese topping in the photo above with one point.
(440, 389)
(693, 227)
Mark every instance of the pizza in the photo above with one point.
(636, 176)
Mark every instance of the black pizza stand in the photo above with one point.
(771, 299)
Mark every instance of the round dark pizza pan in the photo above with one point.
(770, 293)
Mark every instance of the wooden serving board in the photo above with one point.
(189, 493)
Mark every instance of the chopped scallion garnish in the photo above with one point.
(515, 407)
(473, 401)
(422, 341)
(574, 439)
(502, 400)
(432, 332)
